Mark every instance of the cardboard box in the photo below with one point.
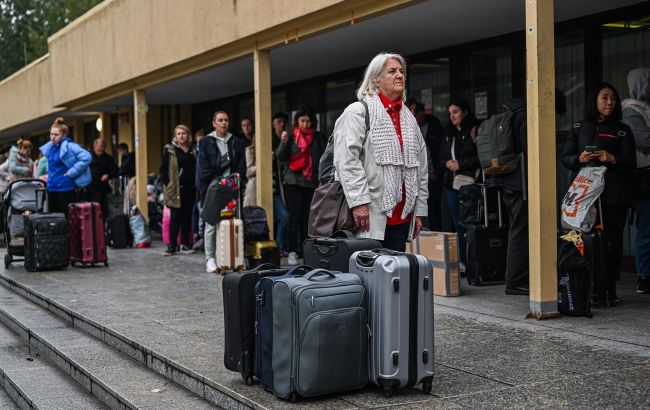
(436, 246)
(446, 279)
(441, 248)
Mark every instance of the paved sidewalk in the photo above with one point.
(487, 355)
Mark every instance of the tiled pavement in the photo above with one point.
(487, 354)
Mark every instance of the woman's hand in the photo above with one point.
(418, 227)
(604, 156)
(361, 215)
(452, 165)
(586, 156)
(284, 137)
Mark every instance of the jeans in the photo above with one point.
(452, 207)
(59, 201)
(281, 217)
(210, 241)
(642, 246)
(298, 204)
(395, 237)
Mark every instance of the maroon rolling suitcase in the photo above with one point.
(87, 237)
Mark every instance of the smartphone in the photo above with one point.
(591, 148)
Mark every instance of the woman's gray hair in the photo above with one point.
(373, 71)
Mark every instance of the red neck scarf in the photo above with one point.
(301, 161)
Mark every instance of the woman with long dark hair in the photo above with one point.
(602, 128)
(301, 149)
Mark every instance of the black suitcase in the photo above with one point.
(595, 247)
(46, 242)
(487, 247)
(118, 232)
(334, 253)
(239, 318)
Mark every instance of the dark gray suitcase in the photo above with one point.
(334, 253)
(320, 334)
(46, 242)
(400, 305)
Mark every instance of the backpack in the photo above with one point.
(326, 162)
(574, 281)
(496, 143)
(256, 226)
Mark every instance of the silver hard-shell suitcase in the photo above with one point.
(400, 309)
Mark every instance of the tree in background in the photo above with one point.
(25, 26)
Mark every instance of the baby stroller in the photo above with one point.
(20, 197)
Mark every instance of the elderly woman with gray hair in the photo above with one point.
(383, 169)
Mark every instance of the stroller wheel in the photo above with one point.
(8, 260)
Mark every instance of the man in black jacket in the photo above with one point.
(220, 155)
(102, 169)
(513, 188)
(433, 134)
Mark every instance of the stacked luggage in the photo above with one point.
(259, 248)
(323, 331)
(487, 234)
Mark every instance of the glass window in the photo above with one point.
(569, 78)
(338, 95)
(487, 82)
(626, 45)
(428, 83)
(246, 109)
(279, 102)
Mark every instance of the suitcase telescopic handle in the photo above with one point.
(315, 272)
(366, 259)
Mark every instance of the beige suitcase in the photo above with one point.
(230, 245)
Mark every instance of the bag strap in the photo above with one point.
(367, 121)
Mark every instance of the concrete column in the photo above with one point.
(263, 132)
(540, 63)
(140, 121)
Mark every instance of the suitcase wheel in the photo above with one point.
(388, 392)
(72, 263)
(106, 264)
(427, 387)
(249, 381)
(293, 398)
(8, 260)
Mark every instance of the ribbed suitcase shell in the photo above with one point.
(400, 307)
(230, 245)
(46, 242)
(87, 236)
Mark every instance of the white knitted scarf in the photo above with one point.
(400, 165)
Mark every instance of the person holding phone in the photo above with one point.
(602, 139)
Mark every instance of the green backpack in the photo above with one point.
(496, 145)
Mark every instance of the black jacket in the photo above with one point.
(186, 168)
(284, 151)
(433, 138)
(465, 149)
(128, 165)
(516, 180)
(104, 165)
(617, 139)
(210, 159)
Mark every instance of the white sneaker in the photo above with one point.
(211, 265)
(292, 259)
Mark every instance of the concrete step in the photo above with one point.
(32, 381)
(115, 379)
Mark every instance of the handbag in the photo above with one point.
(461, 180)
(329, 211)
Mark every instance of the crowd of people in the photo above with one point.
(400, 173)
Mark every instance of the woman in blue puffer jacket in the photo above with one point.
(68, 168)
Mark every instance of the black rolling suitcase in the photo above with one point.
(487, 246)
(46, 242)
(596, 245)
(334, 253)
(239, 318)
(118, 232)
